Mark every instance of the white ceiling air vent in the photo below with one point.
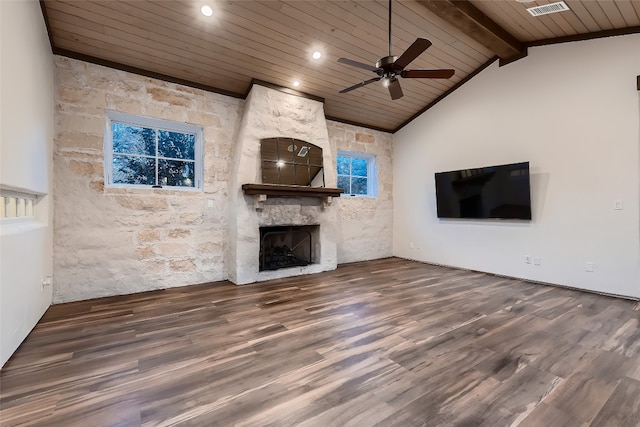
(548, 8)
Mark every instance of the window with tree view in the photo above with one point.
(357, 174)
(146, 152)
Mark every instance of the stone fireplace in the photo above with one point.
(270, 113)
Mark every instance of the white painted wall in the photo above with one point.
(26, 133)
(570, 109)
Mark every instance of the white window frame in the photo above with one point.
(372, 172)
(157, 124)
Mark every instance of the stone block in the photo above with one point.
(210, 248)
(179, 233)
(144, 203)
(191, 218)
(182, 265)
(85, 169)
(97, 186)
(166, 112)
(146, 252)
(154, 266)
(172, 249)
(203, 119)
(73, 141)
(79, 124)
(71, 78)
(148, 235)
(124, 104)
(170, 97)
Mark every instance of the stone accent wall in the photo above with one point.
(115, 241)
(365, 225)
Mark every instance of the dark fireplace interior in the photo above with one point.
(287, 246)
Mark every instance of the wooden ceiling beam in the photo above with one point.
(474, 23)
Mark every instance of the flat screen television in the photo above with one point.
(501, 191)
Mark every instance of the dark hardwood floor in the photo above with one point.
(380, 343)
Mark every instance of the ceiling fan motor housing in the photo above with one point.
(386, 63)
(385, 67)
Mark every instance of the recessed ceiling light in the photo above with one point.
(296, 83)
(316, 55)
(206, 10)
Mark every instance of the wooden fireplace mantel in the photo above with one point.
(263, 191)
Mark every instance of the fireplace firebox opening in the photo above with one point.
(288, 246)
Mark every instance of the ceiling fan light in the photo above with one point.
(386, 81)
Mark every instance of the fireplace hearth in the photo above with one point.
(287, 246)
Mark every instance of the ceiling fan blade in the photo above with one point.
(353, 63)
(356, 86)
(394, 89)
(418, 46)
(427, 74)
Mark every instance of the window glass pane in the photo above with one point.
(315, 156)
(269, 149)
(302, 175)
(359, 186)
(286, 173)
(358, 167)
(288, 150)
(133, 139)
(133, 170)
(343, 182)
(176, 173)
(176, 145)
(343, 165)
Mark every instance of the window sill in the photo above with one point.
(357, 196)
(126, 189)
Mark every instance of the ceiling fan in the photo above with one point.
(390, 67)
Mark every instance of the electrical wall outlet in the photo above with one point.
(618, 205)
(589, 266)
(47, 281)
(411, 245)
(536, 261)
(210, 203)
(527, 259)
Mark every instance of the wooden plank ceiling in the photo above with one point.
(273, 41)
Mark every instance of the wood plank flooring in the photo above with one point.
(380, 343)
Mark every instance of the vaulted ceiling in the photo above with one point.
(273, 41)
